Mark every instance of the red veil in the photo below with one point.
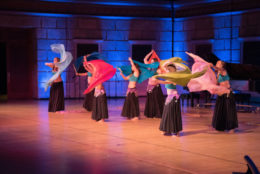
(154, 56)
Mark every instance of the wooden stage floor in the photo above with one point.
(35, 141)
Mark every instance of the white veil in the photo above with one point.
(64, 62)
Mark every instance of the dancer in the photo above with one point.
(100, 111)
(131, 104)
(171, 122)
(88, 99)
(80, 70)
(56, 100)
(155, 99)
(102, 72)
(225, 114)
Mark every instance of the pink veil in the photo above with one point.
(101, 72)
(206, 82)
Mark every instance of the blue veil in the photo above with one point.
(147, 70)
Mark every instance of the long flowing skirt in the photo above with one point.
(131, 106)
(88, 101)
(56, 100)
(100, 110)
(154, 102)
(225, 114)
(171, 121)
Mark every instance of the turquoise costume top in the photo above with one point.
(89, 74)
(132, 78)
(223, 78)
(170, 86)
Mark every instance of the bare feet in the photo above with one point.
(101, 121)
(212, 130)
(232, 131)
(178, 134)
(135, 118)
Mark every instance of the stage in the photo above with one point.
(35, 141)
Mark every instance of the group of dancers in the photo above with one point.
(170, 72)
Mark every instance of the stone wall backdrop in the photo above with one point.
(113, 35)
(225, 32)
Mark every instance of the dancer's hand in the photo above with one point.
(48, 64)
(85, 58)
(51, 65)
(121, 73)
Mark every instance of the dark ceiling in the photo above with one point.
(128, 8)
(159, 3)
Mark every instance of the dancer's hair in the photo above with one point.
(223, 64)
(155, 60)
(137, 67)
(172, 65)
(57, 58)
(54, 67)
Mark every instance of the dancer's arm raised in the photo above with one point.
(147, 57)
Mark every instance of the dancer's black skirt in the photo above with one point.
(154, 103)
(88, 101)
(225, 114)
(56, 100)
(100, 110)
(171, 121)
(131, 106)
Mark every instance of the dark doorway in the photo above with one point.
(20, 62)
(83, 49)
(3, 72)
(140, 51)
